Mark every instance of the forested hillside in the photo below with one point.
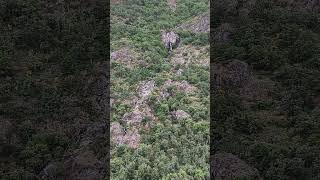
(159, 100)
(265, 120)
(53, 89)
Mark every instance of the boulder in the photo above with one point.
(170, 39)
(172, 4)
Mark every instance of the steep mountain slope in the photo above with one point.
(265, 88)
(53, 90)
(160, 101)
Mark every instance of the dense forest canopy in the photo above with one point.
(271, 119)
(51, 70)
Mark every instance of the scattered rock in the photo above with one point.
(191, 55)
(132, 138)
(172, 4)
(178, 61)
(180, 114)
(200, 24)
(145, 88)
(111, 102)
(116, 132)
(125, 56)
(141, 111)
(179, 72)
(144, 109)
(131, 101)
(164, 94)
(133, 118)
(228, 166)
(183, 86)
(165, 91)
(204, 62)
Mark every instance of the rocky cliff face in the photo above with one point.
(170, 40)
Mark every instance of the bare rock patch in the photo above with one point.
(172, 4)
(124, 56)
(133, 118)
(191, 55)
(132, 138)
(199, 24)
(180, 114)
(181, 86)
(145, 88)
(141, 110)
(117, 132)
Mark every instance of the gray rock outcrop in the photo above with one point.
(170, 39)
